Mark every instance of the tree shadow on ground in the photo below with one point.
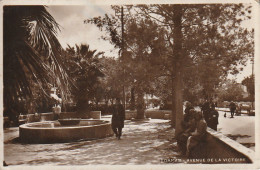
(13, 141)
(248, 145)
(235, 137)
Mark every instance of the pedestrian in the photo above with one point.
(118, 117)
(205, 110)
(199, 135)
(213, 118)
(232, 107)
(239, 110)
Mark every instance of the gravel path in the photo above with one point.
(144, 142)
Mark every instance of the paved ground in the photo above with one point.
(142, 143)
(240, 128)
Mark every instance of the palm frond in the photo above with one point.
(32, 52)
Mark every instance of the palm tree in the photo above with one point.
(32, 53)
(83, 65)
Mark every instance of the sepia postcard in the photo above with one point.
(91, 84)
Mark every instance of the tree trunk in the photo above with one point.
(140, 105)
(178, 103)
(132, 104)
(178, 98)
(173, 117)
(82, 105)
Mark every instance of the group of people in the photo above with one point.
(210, 114)
(194, 125)
(194, 128)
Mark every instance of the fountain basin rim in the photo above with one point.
(69, 122)
(25, 126)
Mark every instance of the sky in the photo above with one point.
(75, 31)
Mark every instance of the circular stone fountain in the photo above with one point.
(54, 132)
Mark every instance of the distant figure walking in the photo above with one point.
(118, 117)
(239, 110)
(232, 107)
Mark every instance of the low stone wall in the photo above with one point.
(92, 114)
(47, 116)
(130, 114)
(158, 114)
(220, 149)
(95, 114)
(153, 114)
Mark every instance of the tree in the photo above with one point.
(230, 90)
(112, 80)
(145, 42)
(223, 41)
(84, 67)
(249, 82)
(195, 36)
(141, 62)
(31, 52)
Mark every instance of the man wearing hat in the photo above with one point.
(232, 106)
(118, 117)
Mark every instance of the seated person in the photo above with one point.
(188, 119)
(199, 134)
(188, 126)
(187, 109)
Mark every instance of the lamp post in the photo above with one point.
(121, 12)
(252, 62)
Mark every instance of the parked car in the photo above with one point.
(243, 107)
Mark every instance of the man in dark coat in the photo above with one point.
(118, 117)
(232, 106)
(205, 110)
(213, 118)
